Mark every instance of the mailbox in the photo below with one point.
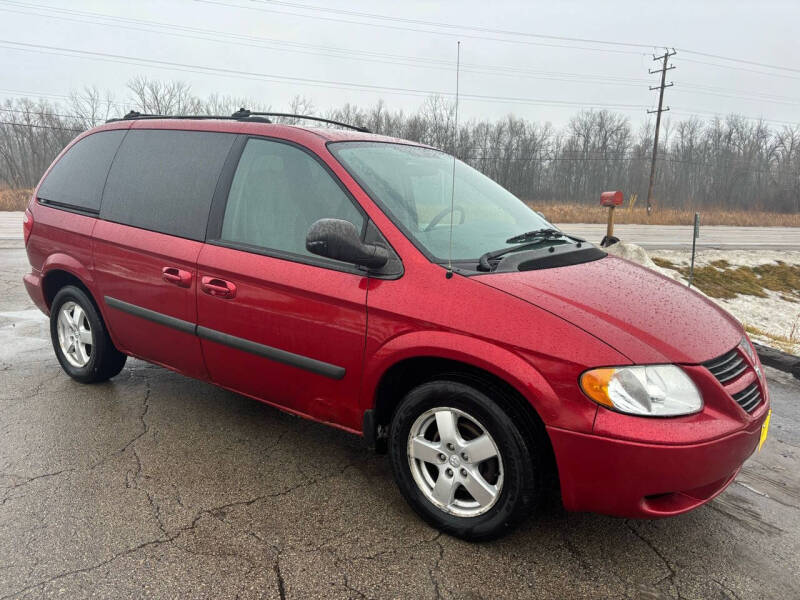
(612, 198)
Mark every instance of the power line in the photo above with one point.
(47, 10)
(360, 55)
(225, 72)
(127, 105)
(416, 30)
(39, 126)
(334, 52)
(39, 113)
(743, 69)
(733, 93)
(450, 26)
(21, 93)
(740, 60)
(694, 113)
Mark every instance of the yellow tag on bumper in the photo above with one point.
(764, 430)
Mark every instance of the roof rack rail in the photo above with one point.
(137, 116)
(243, 113)
(240, 115)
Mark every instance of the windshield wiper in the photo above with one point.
(536, 234)
(485, 265)
(524, 241)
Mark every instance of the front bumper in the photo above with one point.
(641, 467)
(629, 479)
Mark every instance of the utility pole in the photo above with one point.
(663, 70)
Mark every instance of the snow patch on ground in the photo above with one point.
(637, 254)
(773, 315)
(742, 258)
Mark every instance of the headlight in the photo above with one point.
(652, 390)
(747, 347)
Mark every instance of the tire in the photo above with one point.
(511, 474)
(80, 338)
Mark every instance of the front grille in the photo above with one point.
(749, 397)
(727, 367)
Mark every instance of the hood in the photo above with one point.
(642, 314)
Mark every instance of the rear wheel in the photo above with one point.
(80, 338)
(460, 461)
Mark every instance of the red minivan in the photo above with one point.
(385, 288)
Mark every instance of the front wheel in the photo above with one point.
(460, 461)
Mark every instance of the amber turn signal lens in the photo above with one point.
(595, 384)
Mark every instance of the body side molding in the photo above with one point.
(151, 315)
(295, 360)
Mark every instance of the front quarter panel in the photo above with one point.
(541, 355)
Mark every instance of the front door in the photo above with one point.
(276, 322)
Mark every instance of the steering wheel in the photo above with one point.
(435, 221)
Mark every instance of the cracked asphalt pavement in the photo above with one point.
(155, 485)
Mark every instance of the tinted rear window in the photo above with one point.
(164, 180)
(77, 179)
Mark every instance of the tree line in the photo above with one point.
(730, 163)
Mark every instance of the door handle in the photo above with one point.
(177, 276)
(218, 287)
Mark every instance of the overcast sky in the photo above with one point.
(325, 44)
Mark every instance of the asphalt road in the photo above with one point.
(680, 236)
(154, 485)
(648, 236)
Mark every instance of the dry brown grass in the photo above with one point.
(14, 199)
(577, 213)
(581, 213)
(722, 280)
(786, 343)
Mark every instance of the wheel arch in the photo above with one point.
(60, 270)
(408, 361)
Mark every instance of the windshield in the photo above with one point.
(414, 186)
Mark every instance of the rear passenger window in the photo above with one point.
(77, 179)
(277, 193)
(164, 180)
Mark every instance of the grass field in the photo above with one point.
(720, 279)
(582, 213)
(759, 289)
(14, 199)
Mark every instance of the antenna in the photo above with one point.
(449, 273)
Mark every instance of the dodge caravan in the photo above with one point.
(383, 287)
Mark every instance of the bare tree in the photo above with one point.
(163, 98)
(90, 107)
(732, 162)
(32, 133)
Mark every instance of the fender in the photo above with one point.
(499, 361)
(64, 262)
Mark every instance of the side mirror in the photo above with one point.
(340, 240)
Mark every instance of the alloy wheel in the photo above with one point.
(455, 462)
(74, 334)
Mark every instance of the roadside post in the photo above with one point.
(611, 200)
(695, 235)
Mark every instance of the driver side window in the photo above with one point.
(277, 193)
